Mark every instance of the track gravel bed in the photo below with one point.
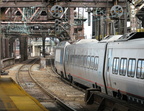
(65, 92)
(32, 88)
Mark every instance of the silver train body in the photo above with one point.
(115, 65)
(59, 57)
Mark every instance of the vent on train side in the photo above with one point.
(133, 35)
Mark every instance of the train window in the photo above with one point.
(88, 61)
(70, 59)
(83, 59)
(115, 65)
(140, 69)
(77, 60)
(74, 59)
(80, 60)
(108, 64)
(92, 61)
(131, 68)
(142, 72)
(96, 63)
(123, 66)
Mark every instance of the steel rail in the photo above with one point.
(48, 93)
(60, 102)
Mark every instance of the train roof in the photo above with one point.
(86, 41)
(111, 38)
(125, 37)
(63, 44)
(132, 43)
(131, 36)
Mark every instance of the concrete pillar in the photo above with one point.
(33, 50)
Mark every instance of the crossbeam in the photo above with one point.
(79, 3)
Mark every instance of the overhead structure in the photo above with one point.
(55, 18)
(62, 19)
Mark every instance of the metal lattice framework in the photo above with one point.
(32, 17)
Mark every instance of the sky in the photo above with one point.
(87, 29)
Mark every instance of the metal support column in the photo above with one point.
(0, 51)
(11, 47)
(133, 18)
(43, 44)
(23, 48)
(93, 27)
(125, 21)
(0, 46)
(97, 28)
(71, 22)
(101, 27)
(143, 22)
(7, 48)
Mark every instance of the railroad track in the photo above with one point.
(30, 85)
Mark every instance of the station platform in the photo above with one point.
(14, 98)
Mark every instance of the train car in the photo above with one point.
(124, 71)
(84, 63)
(59, 57)
(114, 65)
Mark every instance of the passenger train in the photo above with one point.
(114, 65)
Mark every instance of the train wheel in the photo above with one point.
(62, 75)
(124, 97)
(70, 78)
(56, 70)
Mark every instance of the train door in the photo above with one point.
(66, 62)
(108, 67)
(66, 57)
